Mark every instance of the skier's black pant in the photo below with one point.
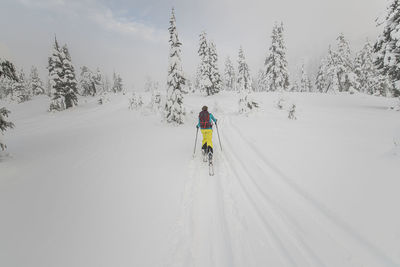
(207, 149)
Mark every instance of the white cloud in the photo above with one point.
(101, 15)
(107, 19)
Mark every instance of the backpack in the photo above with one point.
(204, 118)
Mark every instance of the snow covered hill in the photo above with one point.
(102, 185)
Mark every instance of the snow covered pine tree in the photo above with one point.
(229, 75)
(203, 72)
(86, 82)
(20, 88)
(174, 110)
(369, 79)
(387, 47)
(244, 85)
(117, 83)
(63, 83)
(336, 72)
(7, 70)
(215, 77)
(275, 75)
(305, 83)
(35, 84)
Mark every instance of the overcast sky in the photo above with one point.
(130, 36)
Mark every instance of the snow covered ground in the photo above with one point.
(102, 185)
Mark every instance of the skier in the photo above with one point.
(205, 124)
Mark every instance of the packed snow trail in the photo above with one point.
(251, 214)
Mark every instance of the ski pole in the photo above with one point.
(216, 125)
(195, 142)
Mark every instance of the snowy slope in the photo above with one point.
(107, 186)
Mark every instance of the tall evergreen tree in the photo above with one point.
(229, 75)
(87, 82)
(117, 83)
(64, 86)
(5, 87)
(7, 70)
(244, 83)
(305, 83)
(98, 82)
(55, 67)
(244, 78)
(321, 81)
(174, 110)
(369, 79)
(20, 88)
(198, 78)
(215, 77)
(204, 69)
(35, 83)
(336, 71)
(70, 83)
(387, 47)
(343, 65)
(275, 74)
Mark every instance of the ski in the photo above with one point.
(211, 169)
(210, 165)
(204, 156)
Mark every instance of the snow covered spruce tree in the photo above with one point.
(21, 89)
(5, 87)
(209, 78)
(204, 71)
(117, 83)
(369, 79)
(174, 110)
(244, 85)
(305, 83)
(70, 83)
(64, 86)
(4, 125)
(343, 65)
(215, 77)
(55, 67)
(98, 82)
(35, 84)
(336, 72)
(326, 77)
(229, 76)
(86, 82)
(7, 70)
(387, 47)
(275, 75)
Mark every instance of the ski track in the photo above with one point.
(251, 214)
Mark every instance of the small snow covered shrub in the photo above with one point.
(280, 103)
(352, 91)
(140, 102)
(397, 108)
(284, 103)
(292, 110)
(133, 101)
(246, 103)
(103, 99)
(57, 104)
(155, 101)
